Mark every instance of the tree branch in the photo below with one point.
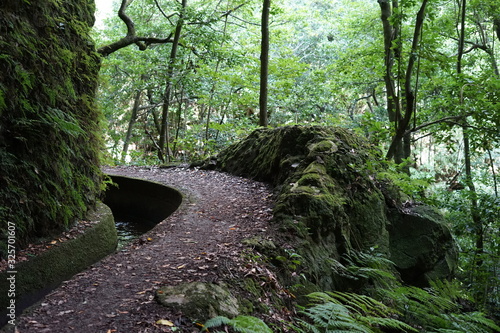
(442, 120)
(131, 37)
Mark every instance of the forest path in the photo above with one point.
(201, 241)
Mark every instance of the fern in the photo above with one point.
(371, 266)
(349, 312)
(472, 322)
(243, 324)
(436, 309)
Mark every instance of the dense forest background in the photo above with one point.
(181, 80)
(420, 79)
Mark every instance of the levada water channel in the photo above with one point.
(139, 205)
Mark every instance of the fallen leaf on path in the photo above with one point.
(165, 322)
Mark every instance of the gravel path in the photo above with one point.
(201, 241)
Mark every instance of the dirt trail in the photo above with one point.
(199, 242)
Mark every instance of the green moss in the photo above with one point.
(66, 259)
(49, 141)
(326, 198)
(199, 301)
(253, 288)
(325, 146)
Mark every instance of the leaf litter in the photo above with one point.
(202, 241)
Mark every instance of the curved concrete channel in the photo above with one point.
(138, 205)
(135, 201)
(141, 200)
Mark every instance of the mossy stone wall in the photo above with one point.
(42, 273)
(49, 124)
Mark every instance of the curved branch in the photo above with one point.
(125, 18)
(131, 37)
(142, 42)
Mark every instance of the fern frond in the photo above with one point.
(371, 266)
(243, 324)
(472, 322)
(387, 323)
(308, 328)
(363, 305)
(341, 311)
(333, 317)
(216, 322)
(319, 296)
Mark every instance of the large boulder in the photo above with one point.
(421, 245)
(332, 203)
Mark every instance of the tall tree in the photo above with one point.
(163, 144)
(264, 63)
(131, 123)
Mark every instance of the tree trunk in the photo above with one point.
(179, 119)
(164, 136)
(156, 120)
(131, 123)
(214, 85)
(264, 63)
(476, 217)
(390, 34)
(397, 150)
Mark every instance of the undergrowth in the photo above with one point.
(386, 306)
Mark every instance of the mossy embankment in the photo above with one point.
(49, 124)
(331, 204)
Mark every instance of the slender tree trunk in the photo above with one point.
(474, 209)
(264, 63)
(392, 51)
(493, 173)
(397, 149)
(164, 135)
(131, 123)
(390, 34)
(476, 216)
(214, 85)
(179, 120)
(156, 120)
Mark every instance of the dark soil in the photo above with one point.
(201, 241)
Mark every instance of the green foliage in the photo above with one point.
(374, 267)
(483, 279)
(438, 309)
(328, 72)
(393, 306)
(349, 312)
(243, 324)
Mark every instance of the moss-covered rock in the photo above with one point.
(199, 301)
(422, 246)
(49, 131)
(329, 200)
